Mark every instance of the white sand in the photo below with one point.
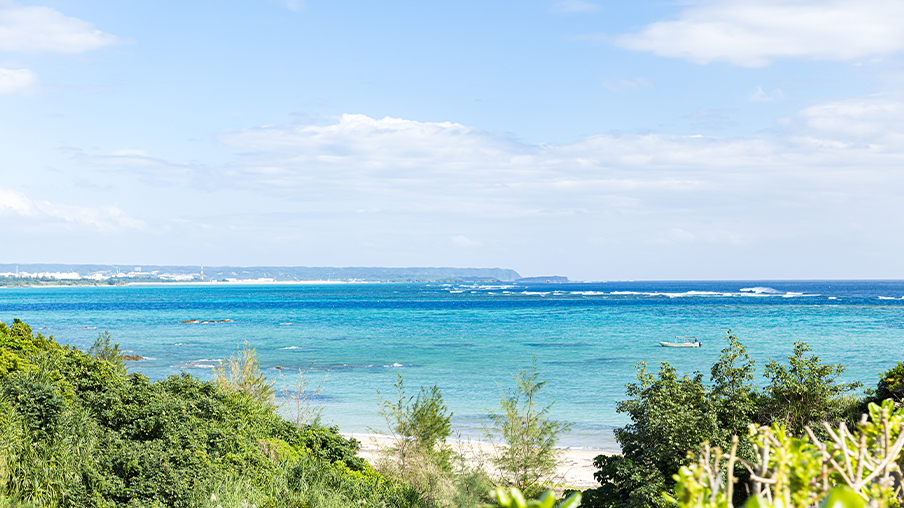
(575, 470)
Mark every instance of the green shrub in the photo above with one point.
(11, 362)
(850, 470)
(805, 392)
(891, 384)
(76, 431)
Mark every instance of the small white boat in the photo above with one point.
(687, 342)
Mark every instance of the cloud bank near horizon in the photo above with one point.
(832, 174)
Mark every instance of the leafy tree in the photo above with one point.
(528, 456)
(671, 415)
(734, 399)
(805, 392)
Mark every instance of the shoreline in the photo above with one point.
(226, 283)
(575, 470)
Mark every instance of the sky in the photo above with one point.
(600, 140)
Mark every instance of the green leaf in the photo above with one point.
(573, 501)
(843, 496)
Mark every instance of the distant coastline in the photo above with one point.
(56, 275)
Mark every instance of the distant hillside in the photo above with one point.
(548, 278)
(278, 273)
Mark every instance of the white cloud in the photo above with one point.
(753, 33)
(16, 80)
(878, 119)
(463, 241)
(105, 218)
(632, 84)
(825, 186)
(42, 29)
(759, 95)
(410, 167)
(574, 6)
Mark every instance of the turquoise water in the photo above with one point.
(469, 339)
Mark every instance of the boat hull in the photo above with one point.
(680, 344)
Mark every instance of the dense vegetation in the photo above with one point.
(673, 415)
(77, 430)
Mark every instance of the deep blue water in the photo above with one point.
(469, 339)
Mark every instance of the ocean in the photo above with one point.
(469, 339)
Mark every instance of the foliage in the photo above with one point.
(851, 470)
(423, 422)
(104, 349)
(671, 415)
(805, 392)
(471, 480)
(241, 373)
(891, 384)
(300, 401)
(75, 431)
(528, 456)
(419, 455)
(11, 362)
(734, 400)
(19, 338)
(733, 396)
(513, 498)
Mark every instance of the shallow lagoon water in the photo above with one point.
(469, 338)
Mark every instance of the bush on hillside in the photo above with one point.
(75, 430)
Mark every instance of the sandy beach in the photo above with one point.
(575, 470)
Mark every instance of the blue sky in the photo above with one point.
(598, 140)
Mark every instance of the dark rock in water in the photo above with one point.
(133, 358)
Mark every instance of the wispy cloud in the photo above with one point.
(834, 168)
(759, 95)
(632, 84)
(16, 80)
(296, 5)
(574, 6)
(753, 33)
(411, 166)
(104, 218)
(464, 241)
(154, 170)
(42, 29)
(877, 119)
